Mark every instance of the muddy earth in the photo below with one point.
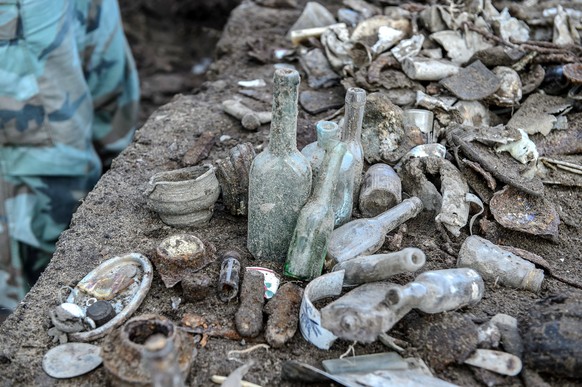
(114, 220)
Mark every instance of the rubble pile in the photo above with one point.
(457, 109)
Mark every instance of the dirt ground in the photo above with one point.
(114, 220)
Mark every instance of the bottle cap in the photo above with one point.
(100, 312)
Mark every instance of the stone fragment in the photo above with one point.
(318, 101)
(539, 114)
(319, 71)
(472, 83)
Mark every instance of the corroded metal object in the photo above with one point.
(228, 281)
(249, 316)
(134, 273)
(283, 311)
(448, 201)
(184, 197)
(181, 255)
(233, 176)
(123, 350)
(71, 360)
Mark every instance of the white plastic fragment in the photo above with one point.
(408, 48)
(387, 37)
(254, 83)
(500, 362)
(323, 286)
(426, 69)
(523, 150)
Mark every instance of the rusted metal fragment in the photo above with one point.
(501, 165)
(283, 311)
(197, 287)
(193, 323)
(553, 336)
(200, 150)
(233, 176)
(249, 316)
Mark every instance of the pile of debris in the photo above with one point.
(455, 109)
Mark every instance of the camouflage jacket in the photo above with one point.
(68, 100)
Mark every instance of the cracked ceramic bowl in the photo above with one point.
(184, 197)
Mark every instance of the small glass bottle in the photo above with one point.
(328, 135)
(381, 190)
(161, 359)
(352, 133)
(308, 247)
(280, 176)
(366, 236)
(438, 291)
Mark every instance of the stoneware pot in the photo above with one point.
(184, 197)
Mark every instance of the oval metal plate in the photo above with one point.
(71, 360)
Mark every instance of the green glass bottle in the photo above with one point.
(316, 220)
(280, 177)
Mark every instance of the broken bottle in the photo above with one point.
(280, 176)
(315, 224)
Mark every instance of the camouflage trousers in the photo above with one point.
(69, 95)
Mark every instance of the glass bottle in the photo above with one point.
(366, 236)
(352, 133)
(280, 176)
(315, 224)
(161, 359)
(328, 135)
(438, 291)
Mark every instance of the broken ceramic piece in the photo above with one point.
(474, 82)
(509, 92)
(449, 201)
(539, 114)
(337, 43)
(71, 360)
(387, 37)
(125, 352)
(326, 285)
(184, 197)
(565, 32)
(181, 255)
(314, 15)
(408, 48)
(233, 176)
(102, 283)
(426, 69)
(474, 113)
(372, 268)
(319, 72)
(367, 31)
(526, 213)
(509, 28)
(460, 45)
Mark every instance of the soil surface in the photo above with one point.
(114, 220)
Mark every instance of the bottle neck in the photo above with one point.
(283, 136)
(413, 294)
(327, 134)
(355, 102)
(328, 176)
(398, 214)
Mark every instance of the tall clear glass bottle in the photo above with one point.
(328, 134)
(308, 247)
(352, 133)
(280, 176)
(366, 236)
